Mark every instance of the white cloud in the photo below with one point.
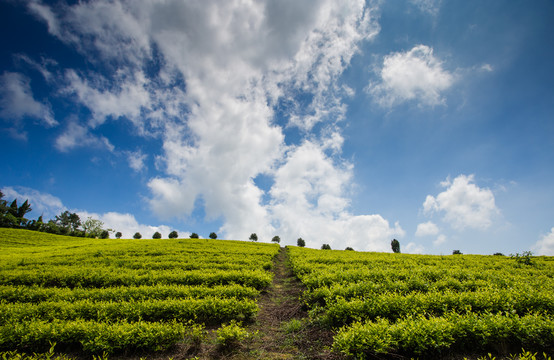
(413, 248)
(49, 206)
(107, 30)
(487, 68)
(41, 67)
(126, 98)
(545, 246)
(237, 62)
(431, 7)
(128, 225)
(426, 229)
(76, 135)
(308, 201)
(136, 160)
(413, 75)
(43, 204)
(45, 14)
(441, 239)
(464, 204)
(17, 101)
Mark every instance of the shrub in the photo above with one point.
(194, 236)
(213, 235)
(292, 326)
(231, 335)
(325, 247)
(524, 258)
(349, 248)
(456, 252)
(157, 235)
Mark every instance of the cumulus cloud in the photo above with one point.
(128, 225)
(428, 228)
(414, 75)
(125, 97)
(221, 69)
(441, 239)
(43, 204)
(77, 135)
(17, 101)
(49, 206)
(413, 248)
(309, 199)
(545, 246)
(463, 203)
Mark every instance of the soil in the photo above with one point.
(282, 328)
(283, 324)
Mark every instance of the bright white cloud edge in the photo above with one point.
(232, 84)
(49, 206)
(415, 75)
(545, 246)
(464, 204)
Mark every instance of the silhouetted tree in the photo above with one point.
(213, 235)
(194, 236)
(349, 248)
(36, 225)
(325, 247)
(300, 242)
(137, 236)
(118, 234)
(276, 239)
(13, 215)
(173, 235)
(3, 204)
(22, 210)
(395, 245)
(456, 252)
(253, 237)
(13, 208)
(157, 235)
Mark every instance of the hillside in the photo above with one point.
(206, 299)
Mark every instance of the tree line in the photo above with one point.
(13, 215)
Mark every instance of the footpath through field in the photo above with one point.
(282, 324)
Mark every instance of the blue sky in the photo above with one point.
(349, 123)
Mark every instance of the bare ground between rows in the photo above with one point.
(280, 305)
(280, 310)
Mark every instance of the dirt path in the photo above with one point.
(282, 324)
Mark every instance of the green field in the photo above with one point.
(423, 305)
(114, 296)
(118, 297)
